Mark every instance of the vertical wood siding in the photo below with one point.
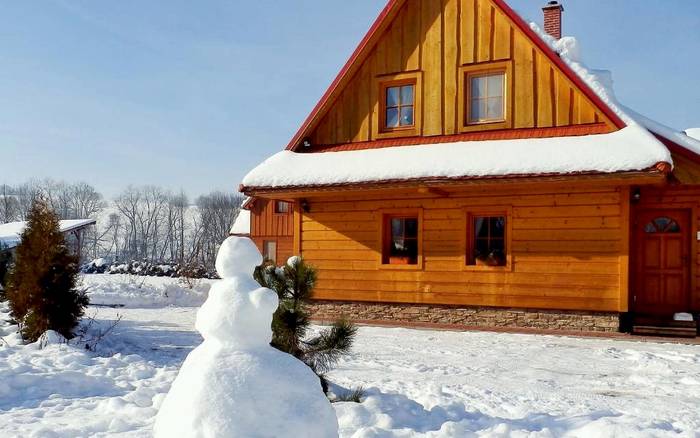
(266, 225)
(437, 38)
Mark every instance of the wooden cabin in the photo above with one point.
(464, 169)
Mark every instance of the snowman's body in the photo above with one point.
(234, 384)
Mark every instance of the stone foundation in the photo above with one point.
(406, 314)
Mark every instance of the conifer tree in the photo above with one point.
(294, 284)
(41, 284)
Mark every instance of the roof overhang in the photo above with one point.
(656, 175)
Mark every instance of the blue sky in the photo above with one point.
(191, 95)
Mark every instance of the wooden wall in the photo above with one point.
(437, 37)
(569, 249)
(265, 224)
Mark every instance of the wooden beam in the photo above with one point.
(433, 191)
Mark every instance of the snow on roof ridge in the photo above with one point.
(693, 133)
(600, 81)
(678, 137)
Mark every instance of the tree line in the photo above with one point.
(145, 223)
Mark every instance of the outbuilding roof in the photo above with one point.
(10, 233)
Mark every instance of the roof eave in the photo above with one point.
(653, 175)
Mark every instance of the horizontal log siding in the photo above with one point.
(566, 250)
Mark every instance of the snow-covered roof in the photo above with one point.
(693, 132)
(633, 148)
(241, 226)
(601, 82)
(10, 233)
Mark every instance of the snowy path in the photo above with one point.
(419, 383)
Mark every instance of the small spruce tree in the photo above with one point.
(41, 283)
(294, 284)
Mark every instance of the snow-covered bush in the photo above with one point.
(145, 268)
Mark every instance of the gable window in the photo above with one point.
(401, 240)
(270, 250)
(487, 240)
(282, 207)
(486, 98)
(399, 106)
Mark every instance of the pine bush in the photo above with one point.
(41, 284)
(294, 284)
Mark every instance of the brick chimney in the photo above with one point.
(552, 18)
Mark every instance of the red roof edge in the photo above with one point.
(519, 22)
(554, 57)
(676, 148)
(356, 54)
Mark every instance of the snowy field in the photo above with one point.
(419, 383)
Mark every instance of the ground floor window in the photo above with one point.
(486, 240)
(401, 240)
(270, 250)
(282, 207)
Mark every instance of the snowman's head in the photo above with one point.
(237, 256)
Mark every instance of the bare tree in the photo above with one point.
(9, 204)
(148, 223)
(84, 200)
(26, 194)
(176, 210)
(217, 212)
(127, 204)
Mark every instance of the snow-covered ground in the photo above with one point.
(418, 382)
(138, 291)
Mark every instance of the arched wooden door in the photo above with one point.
(662, 272)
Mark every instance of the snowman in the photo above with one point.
(235, 384)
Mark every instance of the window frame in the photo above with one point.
(382, 83)
(466, 73)
(264, 249)
(282, 213)
(385, 216)
(400, 84)
(469, 240)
